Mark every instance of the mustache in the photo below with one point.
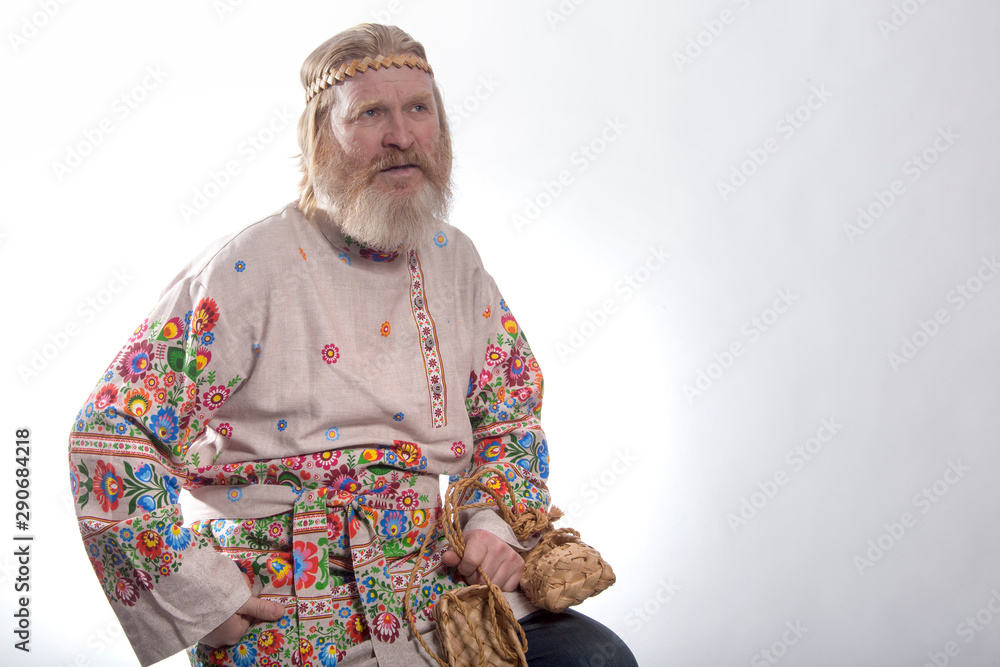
(411, 156)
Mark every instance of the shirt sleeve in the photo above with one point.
(128, 460)
(504, 402)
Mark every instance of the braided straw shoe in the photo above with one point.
(561, 570)
(474, 624)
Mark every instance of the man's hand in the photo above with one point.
(498, 559)
(234, 627)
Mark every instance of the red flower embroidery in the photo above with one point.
(326, 459)
(331, 354)
(494, 355)
(135, 361)
(306, 564)
(108, 486)
(280, 570)
(126, 591)
(205, 316)
(215, 396)
(149, 544)
(514, 370)
(408, 452)
(172, 329)
(269, 642)
(106, 396)
(386, 627)
(490, 449)
(509, 324)
(356, 628)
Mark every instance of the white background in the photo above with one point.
(653, 473)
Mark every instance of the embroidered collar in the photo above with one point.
(349, 247)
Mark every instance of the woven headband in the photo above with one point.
(339, 75)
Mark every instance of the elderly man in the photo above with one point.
(306, 381)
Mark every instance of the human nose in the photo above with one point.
(398, 133)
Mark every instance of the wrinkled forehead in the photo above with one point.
(385, 86)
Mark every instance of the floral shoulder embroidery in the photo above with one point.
(160, 384)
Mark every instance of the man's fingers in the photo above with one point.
(234, 627)
(509, 575)
(475, 553)
(264, 610)
(495, 557)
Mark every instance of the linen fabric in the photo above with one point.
(306, 392)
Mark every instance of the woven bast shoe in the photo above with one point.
(475, 628)
(562, 571)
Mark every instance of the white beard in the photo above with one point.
(386, 220)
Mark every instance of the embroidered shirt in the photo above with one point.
(307, 391)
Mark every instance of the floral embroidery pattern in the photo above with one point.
(154, 397)
(440, 240)
(428, 344)
(340, 559)
(240, 266)
(510, 453)
(331, 353)
(370, 253)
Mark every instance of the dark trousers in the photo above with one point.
(570, 639)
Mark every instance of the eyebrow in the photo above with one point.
(425, 98)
